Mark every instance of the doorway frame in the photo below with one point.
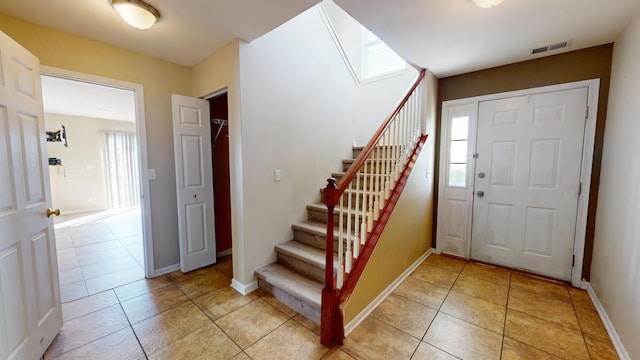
(472, 103)
(141, 135)
(208, 97)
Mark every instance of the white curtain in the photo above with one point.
(121, 159)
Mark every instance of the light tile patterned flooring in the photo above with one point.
(98, 251)
(447, 309)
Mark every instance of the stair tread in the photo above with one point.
(342, 174)
(293, 283)
(371, 159)
(337, 209)
(314, 227)
(307, 253)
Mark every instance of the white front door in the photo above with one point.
(30, 310)
(527, 181)
(194, 181)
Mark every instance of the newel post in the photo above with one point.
(331, 331)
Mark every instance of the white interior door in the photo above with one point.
(194, 181)
(527, 181)
(30, 311)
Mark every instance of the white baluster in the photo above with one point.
(347, 255)
(364, 204)
(356, 221)
(340, 242)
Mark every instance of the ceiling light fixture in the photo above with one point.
(487, 3)
(136, 13)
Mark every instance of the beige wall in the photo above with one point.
(272, 127)
(408, 234)
(80, 184)
(615, 273)
(159, 78)
(572, 66)
(219, 71)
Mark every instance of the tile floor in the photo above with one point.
(447, 309)
(98, 251)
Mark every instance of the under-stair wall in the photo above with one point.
(407, 237)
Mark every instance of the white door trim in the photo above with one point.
(585, 175)
(141, 133)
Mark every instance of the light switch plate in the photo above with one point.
(152, 174)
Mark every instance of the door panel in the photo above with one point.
(29, 287)
(31, 157)
(45, 287)
(7, 196)
(13, 297)
(530, 153)
(194, 182)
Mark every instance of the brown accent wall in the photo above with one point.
(585, 64)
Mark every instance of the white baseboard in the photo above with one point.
(166, 269)
(348, 328)
(81, 211)
(222, 253)
(613, 334)
(242, 288)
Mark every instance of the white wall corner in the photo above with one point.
(348, 328)
(613, 334)
(242, 288)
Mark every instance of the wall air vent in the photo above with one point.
(539, 50)
(556, 46)
(559, 45)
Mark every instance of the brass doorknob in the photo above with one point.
(55, 212)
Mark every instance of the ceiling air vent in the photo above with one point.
(556, 46)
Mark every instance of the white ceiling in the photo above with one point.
(188, 30)
(447, 36)
(451, 37)
(70, 97)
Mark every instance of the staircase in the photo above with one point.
(351, 217)
(297, 278)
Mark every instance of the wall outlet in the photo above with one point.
(277, 175)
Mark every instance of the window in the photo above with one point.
(121, 157)
(377, 58)
(458, 151)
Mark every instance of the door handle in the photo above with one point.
(480, 193)
(55, 212)
(481, 175)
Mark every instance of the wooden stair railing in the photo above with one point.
(372, 185)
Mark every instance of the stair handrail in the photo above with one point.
(376, 196)
(366, 151)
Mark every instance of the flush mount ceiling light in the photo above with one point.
(136, 13)
(487, 3)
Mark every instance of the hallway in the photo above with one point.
(447, 309)
(98, 251)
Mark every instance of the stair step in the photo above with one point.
(339, 175)
(358, 149)
(318, 213)
(294, 290)
(305, 259)
(314, 234)
(352, 193)
(372, 165)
